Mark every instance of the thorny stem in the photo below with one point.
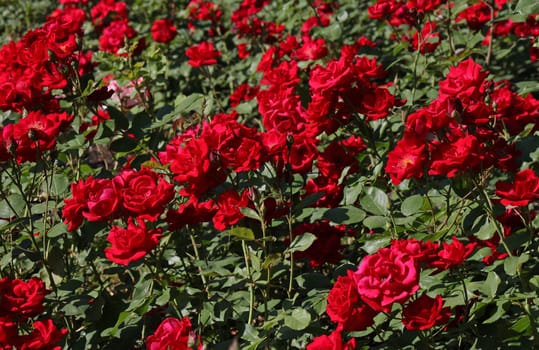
(250, 280)
(490, 5)
(449, 31)
(291, 237)
(197, 255)
(28, 213)
(490, 213)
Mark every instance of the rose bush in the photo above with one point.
(269, 174)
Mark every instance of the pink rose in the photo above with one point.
(389, 276)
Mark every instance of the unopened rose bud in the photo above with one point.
(289, 140)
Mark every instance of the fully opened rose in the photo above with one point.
(165, 166)
(173, 334)
(425, 312)
(389, 276)
(131, 244)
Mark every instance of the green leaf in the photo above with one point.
(525, 87)
(500, 311)
(534, 282)
(272, 260)
(13, 205)
(244, 108)
(375, 201)
(123, 317)
(345, 215)
(527, 7)
(490, 287)
(189, 103)
(522, 325)
(301, 243)
(371, 246)
(334, 32)
(164, 298)
(412, 205)
(376, 221)
(243, 233)
(250, 213)
(60, 182)
(251, 335)
(298, 320)
(486, 231)
(313, 280)
(510, 265)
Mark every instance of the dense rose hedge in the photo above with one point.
(269, 174)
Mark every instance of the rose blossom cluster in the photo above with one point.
(477, 16)
(201, 12)
(27, 82)
(142, 195)
(463, 128)
(110, 20)
(202, 158)
(408, 16)
(388, 277)
(174, 334)
(20, 301)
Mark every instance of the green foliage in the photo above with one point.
(254, 285)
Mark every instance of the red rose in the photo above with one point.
(464, 81)
(4, 152)
(451, 158)
(406, 160)
(301, 154)
(453, 254)
(145, 193)
(334, 160)
(244, 92)
(131, 244)
(202, 55)
(381, 9)
(8, 331)
(102, 200)
(22, 299)
(424, 313)
(191, 213)
(386, 277)
(428, 40)
(37, 132)
(331, 342)
(477, 15)
(376, 103)
(525, 188)
(228, 212)
(332, 192)
(194, 163)
(44, 337)
(312, 49)
(173, 334)
(337, 75)
(345, 306)
(422, 252)
(104, 8)
(163, 31)
(243, 52)
(113, 37)
(237, 146)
